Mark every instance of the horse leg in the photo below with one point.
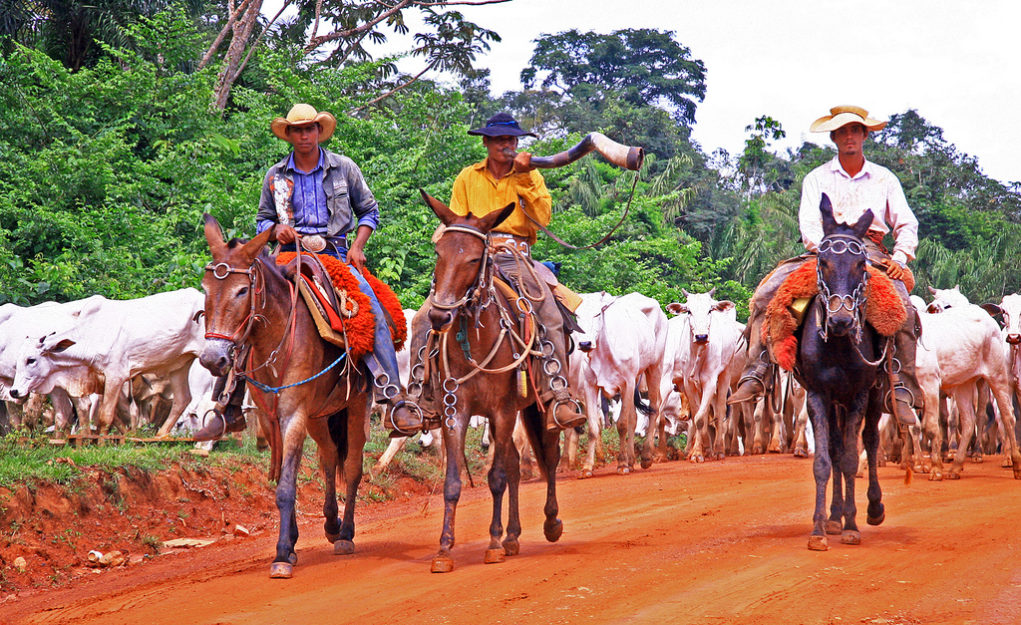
(821, 466)
(285, 559)
(870, 440)
(350, 441)
(328, 461)
(453, 443)
(836, 450)
(505, 465)
(849, 467)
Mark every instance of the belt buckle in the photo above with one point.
(313, 243)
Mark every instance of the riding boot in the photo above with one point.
(906, 391)
(227, 416)
(415, 408)
(753, 381)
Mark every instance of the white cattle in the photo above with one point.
(943, 299)
(703, 368)
(583, 383)
(625, 338)
(113, 341)
(19, 324)
(1009, 309)
(967, 345)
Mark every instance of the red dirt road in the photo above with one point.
(720, 543)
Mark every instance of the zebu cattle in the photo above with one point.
(618, 359)
(967, 345)
(702, 365)
(19, 324)
(1009, 309)
(112, 341)
(583, 382)
(943, 299)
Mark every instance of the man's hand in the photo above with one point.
(523, 163)
(894, 269)
(284, 234)
(356, 258)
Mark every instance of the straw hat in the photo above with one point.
(844, 115)
(302, 115)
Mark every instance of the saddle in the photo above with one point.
(884, 310)
(342, 313)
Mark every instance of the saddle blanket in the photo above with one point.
(884, 310)
(357, 323)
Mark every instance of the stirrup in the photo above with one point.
(891, 396)
(559, 402)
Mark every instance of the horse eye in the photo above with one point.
(241, 292)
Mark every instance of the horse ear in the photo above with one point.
(861, 227)
(253, 247)
(446, 215)
(214, 235)
(826, 210)
(495, 218)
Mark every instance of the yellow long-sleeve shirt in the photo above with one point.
(476, 191)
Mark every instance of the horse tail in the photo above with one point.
(337, 424)
(535, 427)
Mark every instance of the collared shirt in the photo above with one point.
(874, 187)
(325, 201)
(476, 191)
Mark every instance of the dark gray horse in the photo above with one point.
(838, 363)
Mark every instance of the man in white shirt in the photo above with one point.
(853, 185)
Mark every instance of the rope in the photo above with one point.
(276, 389)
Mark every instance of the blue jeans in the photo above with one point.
(382, 357)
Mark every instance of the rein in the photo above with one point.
(634, 185)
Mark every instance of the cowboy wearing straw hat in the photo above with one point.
(505, 177)
(853, 185)
(319, 197)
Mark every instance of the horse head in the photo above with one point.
(231, 285)
(841, 271)
(461, 258)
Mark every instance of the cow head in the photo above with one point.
(943, 299)
(50, 362)
(1010, 309)
(700, 309)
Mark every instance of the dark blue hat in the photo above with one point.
(501, 125)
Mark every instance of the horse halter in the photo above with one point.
(834, 303)
(480, 280)
(221, 271)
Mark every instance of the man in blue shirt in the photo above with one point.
(319, 197)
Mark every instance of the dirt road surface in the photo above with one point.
(719, 543)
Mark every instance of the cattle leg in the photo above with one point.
(595, 443)
(963, 396)
(285, 558)
(626, 429)
(453, 441)
(818, 408)
(395, 445)
(655, 403)
(1003, 402)
(108, 405)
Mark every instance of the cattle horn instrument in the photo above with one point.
(621, 155)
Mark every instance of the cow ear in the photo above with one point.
(214, 235)
(992, 309)
(446, 215)
(724, 305)
(60, 346)
(676, 308)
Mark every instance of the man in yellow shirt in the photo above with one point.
(502, 178)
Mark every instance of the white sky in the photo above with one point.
(957, 62)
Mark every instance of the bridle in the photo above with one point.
(854, 303)
(256, 284)
(479, 285)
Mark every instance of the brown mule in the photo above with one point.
(249, 310)
(486, 385)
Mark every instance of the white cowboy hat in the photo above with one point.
(302, 115)
(844, 115)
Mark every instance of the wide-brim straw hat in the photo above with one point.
(501, 125)
(843, 115)
(303, 115)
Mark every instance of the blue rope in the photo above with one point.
(276, 389)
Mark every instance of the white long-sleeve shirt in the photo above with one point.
(874, 187)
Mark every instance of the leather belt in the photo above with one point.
(520, 242)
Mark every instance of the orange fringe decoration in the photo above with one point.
(884, 310)
(360, 329)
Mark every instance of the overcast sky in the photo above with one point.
(957, 62)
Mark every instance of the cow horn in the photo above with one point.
(711, 291)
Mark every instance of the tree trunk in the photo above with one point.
(240, 34)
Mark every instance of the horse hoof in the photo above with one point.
(292, 558)
(623, 470)
(280, 570)
(494, 556)
(553, 530)
(442, 564)
(850, 537)
(876, 520)
(343, 548)
(585, 474)
(332, 537)
(511, 547)
(818, 543)
(833, 527)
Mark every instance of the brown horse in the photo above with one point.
(463, 320)
(250, 309)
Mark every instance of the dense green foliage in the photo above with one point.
(106, 171)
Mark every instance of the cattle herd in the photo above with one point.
(106, 364)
